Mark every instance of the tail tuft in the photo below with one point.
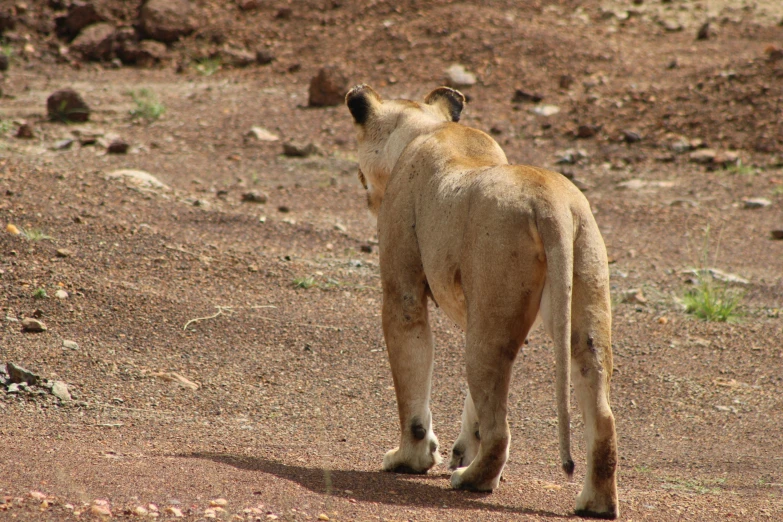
(568, 467)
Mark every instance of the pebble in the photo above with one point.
(140, 511)
(634, 296)
(32, 325)
(67, 105)
(457, 76)
(63, 144)
(100, 510)
(61, 294)
(176, 512)
(3, 62)
(545, 110)
(631, 136)
(25, 131)
(218, 502)
(64, 252)
(524, 96)
(340, 227)
(12, 229)
(323, 516)
(328, 87)
(117, 146)
(777, 234)
(702, 156)
(587, 131)
(754, 203)
(254, 197)
(264, 57)
(300, 150)
(261, 134)
(71, 345)
(137, 177)
(60, 390)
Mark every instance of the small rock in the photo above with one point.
(218, 502)
(458, 77)
(631, 136)
(323, 516)
(672, 25)
(777, 234)
(143, 54)
(328, 87)
(587, 131)
(284, 209)
(140, 511)
(95, 42)
(64, 252)
(565, 81)
(61, 294)
(284, 13)
(726, 158)
(176, 512)
(12, 229)
(634, 296)
(340, 227)
(264, 57)
(261, 134)
(545, 110)
(63, 144)
(773, 53)
(254, 197)
(100, 510)
(32, 325)
(366, 249)
(71, 345)
(166, 20)
(704, 32)
(722, 408)
(117, 146)
(60, 390)
(25, 131)
(296, 149)
(753, 203)
(18, 374)
(4, 62)
(521, 96)
(67, 105)
(13, 388)
(137, 177)
(236, 57)
(702, 156)
(249, 5)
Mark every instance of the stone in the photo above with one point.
(61, 294)
(587, 131)
(67, 105)
(71, 345)
(634, 296)
(726, 158)
(80, 15)
(300, 150)
(146, 53)
(166, 20)
(32, 325)
(754, 203)
(249, 5)
(218, 502)
(630, 136)
(63, 144)
(236, 57)
(264, 57)
(545, 110)
(175, 512)
(702, 156)
(704, 32)
(4, 62)
(100, 510)
(117, 146)
(254, 197)
(328, 87)
(95, 42)
(777, 234)
(60, 390)
(25, 131)
(18, 374)
(260, 134)
(565, 81)
(458, 77)
(521, 96)
(63, 252)
(137, 177)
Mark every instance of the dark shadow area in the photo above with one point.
(387, 488)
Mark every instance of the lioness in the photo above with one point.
(496, 246)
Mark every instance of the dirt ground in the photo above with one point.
(270, 312)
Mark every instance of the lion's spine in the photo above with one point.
(557, 234)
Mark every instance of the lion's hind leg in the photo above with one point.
(466, 447)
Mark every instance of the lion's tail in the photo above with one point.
(557, 233)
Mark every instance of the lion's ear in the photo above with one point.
(361, 101)
(449, 100)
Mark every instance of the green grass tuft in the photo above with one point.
(208, 66)
(40, 293)
(305, 282)
(712, 302)
(147, 105)
(35, 234)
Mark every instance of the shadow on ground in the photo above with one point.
(387, 488)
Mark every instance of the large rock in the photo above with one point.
(67, 105)
(328, 87)
(167, 20)
(80, 15)
(95, 42)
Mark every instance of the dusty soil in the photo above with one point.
(294, 405)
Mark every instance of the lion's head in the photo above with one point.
(385, 127)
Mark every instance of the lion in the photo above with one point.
(499, 248)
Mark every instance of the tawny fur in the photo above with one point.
(498, 247)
